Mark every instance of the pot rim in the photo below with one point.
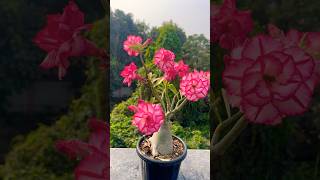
(173, 161)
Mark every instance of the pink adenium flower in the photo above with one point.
(148, 117)
(130, 43)
(181, 68)
(195, 85)
(129, 73)
(62, 39)
(94, 154)
(164, 59)
(170, 74)
(269, 80)
(308, 41)
(291, 39)
(229, 25)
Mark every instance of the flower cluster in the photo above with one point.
(194, 85)
(268, 76)
(95, 159)
(62, 39)
(164, 59)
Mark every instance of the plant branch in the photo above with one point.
(217, 114)
(222, 126)
(173, 101)
(220, 148)
(226, 104)
(178, 108)
(167, 97)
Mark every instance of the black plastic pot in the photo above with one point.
(153, 169)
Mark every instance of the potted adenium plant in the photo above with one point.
(161, 152)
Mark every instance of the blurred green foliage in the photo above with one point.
(19, 64)
(34, 157)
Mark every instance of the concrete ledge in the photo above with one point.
(124, 165)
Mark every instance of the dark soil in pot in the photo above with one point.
(161, 167)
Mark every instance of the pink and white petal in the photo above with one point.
(303, 95)
(289, 107)
(306, 68)
(269, 44)
(249, 82)
(297, 54)
(262, 90)
(252, 49)
(255, 100)
(267, 114)
(272, 66)
(283, 91)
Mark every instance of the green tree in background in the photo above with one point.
(170, 36)
(196, 52)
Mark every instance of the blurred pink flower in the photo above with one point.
(94, 154)
(129, 73)
(269, 80)
(195, 85)
(129, 44)
(291, 39)
(308, 41)
(148, 117)
(61, 38)
(230, 26)
(181, 68)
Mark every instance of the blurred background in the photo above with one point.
(36, 108)
(291, 150)
(171, 25)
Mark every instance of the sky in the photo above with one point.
(193, 16)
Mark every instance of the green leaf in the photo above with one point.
(173, 89)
